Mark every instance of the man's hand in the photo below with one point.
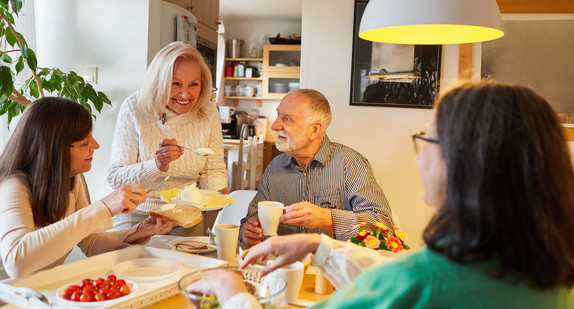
(252, 232)
(308, 215)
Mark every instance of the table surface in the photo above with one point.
(306, 294)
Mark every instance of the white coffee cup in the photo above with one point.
(226, 236)
(293, 275)
(269, 213)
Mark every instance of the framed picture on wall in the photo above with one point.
(396, 75)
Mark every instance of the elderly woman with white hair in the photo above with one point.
(172, 108)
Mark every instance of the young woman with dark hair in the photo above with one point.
(495, 165)
(44, 212)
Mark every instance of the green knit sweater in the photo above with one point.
(426, 279)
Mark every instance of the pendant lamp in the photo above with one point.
(433, 22)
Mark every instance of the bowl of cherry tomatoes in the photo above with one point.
(95, 292)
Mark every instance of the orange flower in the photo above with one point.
(394, 244)
(372, 242)
(400, 234)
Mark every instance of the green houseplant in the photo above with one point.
(15, 55)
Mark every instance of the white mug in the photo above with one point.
(293, 275)
(226, 236)
(269, 213)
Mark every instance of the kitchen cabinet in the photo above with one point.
(281, 69)
(280, 74)
(206, 11)
(231, 90)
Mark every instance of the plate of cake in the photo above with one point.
(205, 200)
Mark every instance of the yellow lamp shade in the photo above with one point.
(431, 22)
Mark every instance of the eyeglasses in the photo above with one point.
(419, 140)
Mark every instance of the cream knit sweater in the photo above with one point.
(25, 248)
(136, 139)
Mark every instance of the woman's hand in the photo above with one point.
(125, 198)
(223, 284)
(149, 227)
(287, 249)
(167, 151)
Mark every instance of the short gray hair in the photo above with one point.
(318, 109)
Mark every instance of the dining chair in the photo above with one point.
(246, 172)
(233, 213)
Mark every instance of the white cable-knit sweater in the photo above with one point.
(136, 139)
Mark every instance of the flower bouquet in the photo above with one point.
(378, 238)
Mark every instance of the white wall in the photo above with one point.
(382, 134)
(108, 34)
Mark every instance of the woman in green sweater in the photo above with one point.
(495, 165)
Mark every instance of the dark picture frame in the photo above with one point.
(394, 75)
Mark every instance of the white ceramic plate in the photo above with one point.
(203, 239)
(212, 200)
(147, 269)
(95, 304)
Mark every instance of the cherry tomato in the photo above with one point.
(117, 286)
(125, 289)
(113, 294)
(67, 294)
(98, 282)
(90, 289)
(104, 289)
(85, 283)
(122, 281)
(87, 297)
(76, 296)
(100, 296)
(73, 287)
(112, 278)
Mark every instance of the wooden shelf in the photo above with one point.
(244, 59)
(244, 78)
(258, 99)
(249, 98)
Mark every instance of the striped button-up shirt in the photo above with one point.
(338, 178)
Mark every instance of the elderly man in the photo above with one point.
(326, 187)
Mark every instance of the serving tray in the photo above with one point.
(48, 281)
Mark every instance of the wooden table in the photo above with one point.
(307, 293)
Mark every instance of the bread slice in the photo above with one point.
(190, 246)
(182, 215)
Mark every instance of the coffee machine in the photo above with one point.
(232, 130)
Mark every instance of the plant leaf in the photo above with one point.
(10, 37)
(24, 50)
(6, 81)
(20, 65)
(104, 98)
(34, 89)
(16, 5)
(31, 59)
(6, 58)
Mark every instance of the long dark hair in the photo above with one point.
(510, 186)
(39, 148)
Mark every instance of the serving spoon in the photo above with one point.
(199, 151)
